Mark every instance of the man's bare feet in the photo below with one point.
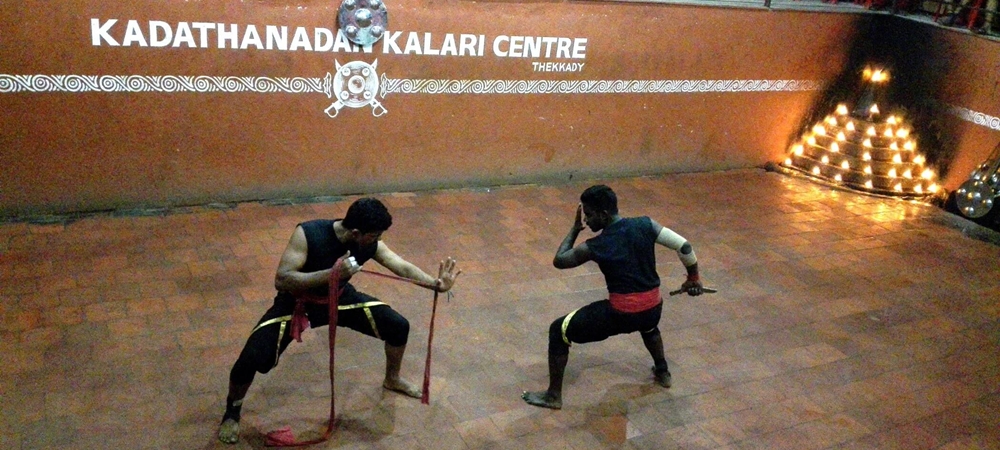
(543, 399)
(229, 431)
(662, 377)
(403, 387)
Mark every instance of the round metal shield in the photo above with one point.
(355, 84)
(363, 21)
(974, 198)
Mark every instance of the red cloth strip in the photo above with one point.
(426, 396)
(635, 302)
(284, 437)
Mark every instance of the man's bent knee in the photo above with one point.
(651, 333)
(557, 339)
(397, 332)
(247, 367)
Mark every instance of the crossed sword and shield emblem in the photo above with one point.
(355, 85)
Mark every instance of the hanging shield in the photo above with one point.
(363, 22)
(977, 196)
(974, 199)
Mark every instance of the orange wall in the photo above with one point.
(64, 151)
(968, 76)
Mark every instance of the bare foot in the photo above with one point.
(229, 431)
(543, 399)
(403, 387)
(662, 378)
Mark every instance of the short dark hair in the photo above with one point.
(367, 215)
(601, 198)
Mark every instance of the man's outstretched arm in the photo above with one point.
(447, 271)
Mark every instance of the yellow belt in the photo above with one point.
(281, 332)
(283, 320)
(368, 312)
(565, 325)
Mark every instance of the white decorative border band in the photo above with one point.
(297, 85)
(975, 117)
(405, 86)
(168, 83)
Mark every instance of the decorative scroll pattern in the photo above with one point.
(297, 85)
(977, 118)
(168, 83)
(405, 86)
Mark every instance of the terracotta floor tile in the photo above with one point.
(722, 431)
(971, 443)
(692, 437)
(952, 424)
(785, 439)
(832, 430)
(478, 433)
(763, 420)
(843, 321)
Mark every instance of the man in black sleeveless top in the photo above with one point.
(304, 273)
(625, 253)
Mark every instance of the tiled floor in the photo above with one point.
(842, 321)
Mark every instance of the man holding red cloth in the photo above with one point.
(625, 253)
(303, 284)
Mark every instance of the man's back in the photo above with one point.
(625, 252)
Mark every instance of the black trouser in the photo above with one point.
(266, 344)
(597, 322)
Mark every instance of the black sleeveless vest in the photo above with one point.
(625, 251)
(324, 248)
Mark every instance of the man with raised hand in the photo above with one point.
(625, 253)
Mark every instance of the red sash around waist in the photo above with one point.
(635, 302)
